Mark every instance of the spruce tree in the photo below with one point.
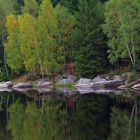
(88, 39)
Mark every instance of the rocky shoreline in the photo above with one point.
(101, 82)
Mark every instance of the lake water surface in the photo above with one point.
(65, 115)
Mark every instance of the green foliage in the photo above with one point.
(35, 36)
(31, 7)
(74, 29)
(4, 76)
(16, 111)
(90, 116)
(6, 8)
(89, 39)
(119, 119)
(12, 46)
(37, 123)
(72, 5)
(28, 41)
(48, 32)
(66, 23)
(122, 28)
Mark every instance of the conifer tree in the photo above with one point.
(89, 38)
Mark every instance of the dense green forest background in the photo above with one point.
(42, 36)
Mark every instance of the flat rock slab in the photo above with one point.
(111, 83)
(7, 84)
(44, 84)
(136, 87)
(23, 85)
(102, 84)
(84, 81)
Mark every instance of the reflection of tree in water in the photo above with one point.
(34, 123)
(119, 124)
(52, 122)
(91, 118)
(124, 124)
(5, 99)
(88, 119)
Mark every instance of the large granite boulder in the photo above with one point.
(84, 81)
(104, 76)
(42, 83)
(23, 85)
(126, 75)
(117, 78)
(88, 83)
(98, 79)
(73, 78)
(112, 83)
(7, 84)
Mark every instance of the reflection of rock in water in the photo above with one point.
(6, 89)
(98, 91)
(29, 92)
(24, 90)
(66, 91)
(44, 90)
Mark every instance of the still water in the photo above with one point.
(55, 116)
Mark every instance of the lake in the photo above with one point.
(66, 114)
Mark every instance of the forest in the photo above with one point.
(42, 36)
